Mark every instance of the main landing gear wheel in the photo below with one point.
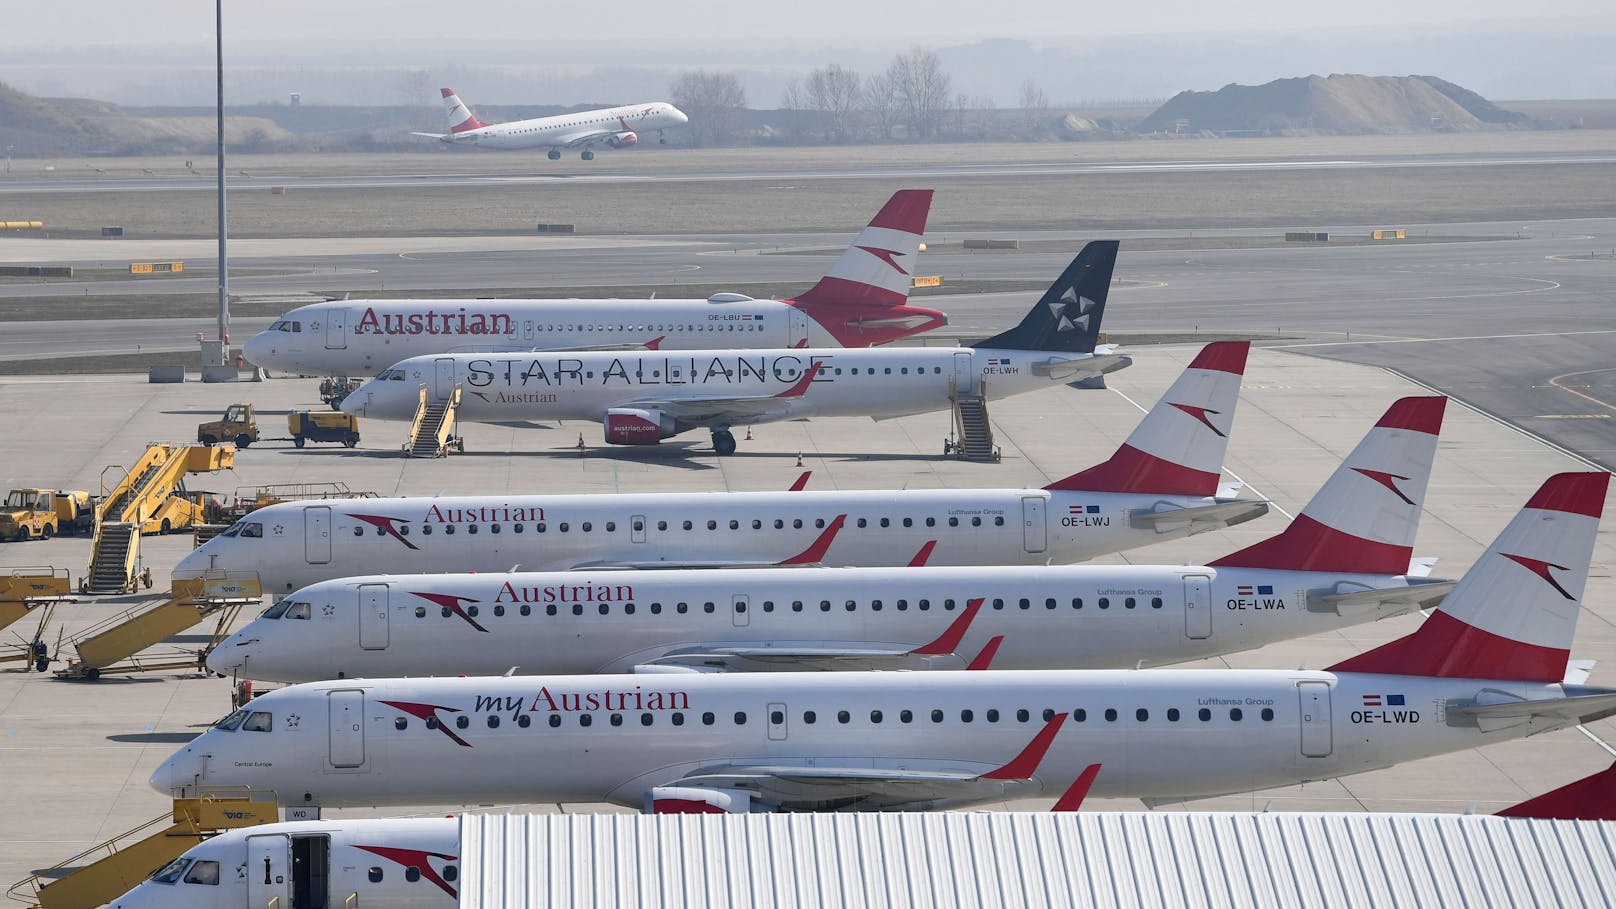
(587, 155)
(723, 442)
(554, 154)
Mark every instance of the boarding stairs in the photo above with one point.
(104, 872)
(31, 592)
(432, 432)
(151, 498)
(115, 644)
(114, 559)
(973, 431)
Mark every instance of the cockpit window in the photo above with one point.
(298, 611)
(391, 375)
(204, 872)
(171, 872)
(287, 325)
(232, 722)
(258, 721)
(252, 529)
(277, 610)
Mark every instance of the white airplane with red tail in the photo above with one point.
(611, 127)
(1343, 562)
(1490, 665)
(863, 300)
(1164, 482)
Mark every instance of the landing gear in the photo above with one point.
(554, 154)
(587, 155)
(723, 442)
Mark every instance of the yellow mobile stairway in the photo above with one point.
(114, 645)
(432, 433)
(23, 591)
(151, 498)
(103, 872)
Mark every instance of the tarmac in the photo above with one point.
(76, 755)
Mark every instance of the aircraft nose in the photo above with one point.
(162, 779)
(355, 403)
(230, 655)
(256, 350)
(184, 767)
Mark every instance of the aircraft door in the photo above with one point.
(797, 326)
(347, 726)
(336, 329)
(311, 872)
(636, 528)
(269, 878)
(317, 534)
(443, 379)
(777, 722)
(373, 617)
(1315, 718)
(1034, 532)
(1197, 606)
(964, 374)
(740, 610)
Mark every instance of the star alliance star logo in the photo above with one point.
(1061, 311)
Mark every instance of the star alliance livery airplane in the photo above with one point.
(1343, 562)
(1164, 482)
(861, 302)
(1491, 664)
(612, 127)
(642, 399)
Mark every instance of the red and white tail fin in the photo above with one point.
(1513, 614)
(1365, 516)
(1592, 798)
(460, 116)
(879, 267)
(1178, 448)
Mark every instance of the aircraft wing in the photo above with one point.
(723, 410)
(876, 785)
(438, 136)
(1386, 601)
(813, 555)
(584, 137)
(1222, 514)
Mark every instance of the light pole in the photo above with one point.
(9, 150)
(224, 260)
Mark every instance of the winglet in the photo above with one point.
(949, 640)
(1025, 764)
(1592, 798)
(656, 342)
(1074, 795)
(985, 658)
(816, 550)
(801, 482)
(797, 390)
(924, 555)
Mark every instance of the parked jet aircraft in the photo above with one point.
(613, 127)
(1490, 665)
(417, 863)
(1162, 483)
(644, 398)
(1343, 562)
(862, 301)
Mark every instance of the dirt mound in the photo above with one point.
(31, 126)
(1336, 104)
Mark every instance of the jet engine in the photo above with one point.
(622, 140)
(636, 426)
(697, 800)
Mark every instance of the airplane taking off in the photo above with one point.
(641, 399)
(1491, 664)
(1043, 617)
(612, 127)
(372, 857)
(862, 301)
(1162, 483)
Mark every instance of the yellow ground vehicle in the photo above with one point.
(323, 427)
(334, 390)
(238, 425)
(44, 513)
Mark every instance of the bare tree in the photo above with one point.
(836, 91)
(922, 89)
(794, 106)
(881, 102)
(1034, 106)
(713, 101)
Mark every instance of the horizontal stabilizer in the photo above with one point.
(1222, 514)
(1502, 714)
(1065, 370)
(1385, 601)
(1592, 798)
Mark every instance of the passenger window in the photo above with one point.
(1141, 715)
(808, 717)
(1155, 602)
(1236, 714)
(843, 716)
(966, 716)
(1172, 714)
(906, 716)
(1110, 714)
(936, 716)
(1268, 714)
(1204, 714)
(875, 716)
(375, 875)
(740, 718)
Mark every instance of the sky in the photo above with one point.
(504, 52)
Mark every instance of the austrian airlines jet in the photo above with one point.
(862, 301)
(1162, 483)
(374, 858)
(613, 127)
(642, 399)
(1489, 665)
(1343, 562)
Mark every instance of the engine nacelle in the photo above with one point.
(697, 800)
(637, 426)
(623, 140)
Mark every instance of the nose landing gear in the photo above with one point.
(554, 154)
(723, 442)
(587, 155)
